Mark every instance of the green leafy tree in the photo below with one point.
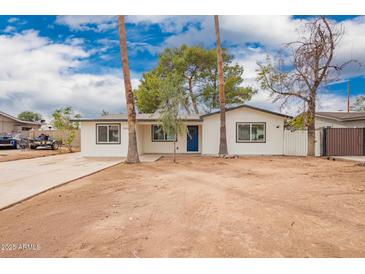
(172, 100)
(147, 94)
(198, 70)
(359, 104)
(299, 121)
(62, 120)
(235, 92)
(29, 116)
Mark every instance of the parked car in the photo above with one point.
(9, 141)
(45, 141)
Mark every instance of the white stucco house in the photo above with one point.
(340, 119)
(250, 131)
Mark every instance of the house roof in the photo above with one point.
(342, 116)
(18, 120)
(145, 117)
(141, 117)
(250, 107)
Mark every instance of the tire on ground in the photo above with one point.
(55, 145)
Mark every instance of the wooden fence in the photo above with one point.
(55, 134)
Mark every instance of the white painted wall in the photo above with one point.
(6, 125)
(89, 147)
(296, 142)
(274, 133)
(323, 122)
(167, 147)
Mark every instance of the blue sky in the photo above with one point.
(52, 61)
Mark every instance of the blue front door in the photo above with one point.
(193, 138)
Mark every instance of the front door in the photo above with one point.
(193, 139)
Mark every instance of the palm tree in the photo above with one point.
(132, 156)
(223, 139)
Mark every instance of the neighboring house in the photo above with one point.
(10, 124)
(250, 131)
(340, 119)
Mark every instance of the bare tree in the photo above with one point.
(132, 156)
(359, 104)
(312, 65)
(223, 137)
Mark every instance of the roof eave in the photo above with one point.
(341, 119)
(328, 117)
(126, 120)
(250, 107)
(18, 120)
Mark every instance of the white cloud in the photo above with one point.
(74, 41)
(136, 47)
(12, 19)
(89, 22)
(37, 74)
(167, 23)
(9, 29)
(272, 32)
(351, 47)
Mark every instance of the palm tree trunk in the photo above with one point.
(132, 156)
(223, 139)
(174, 156)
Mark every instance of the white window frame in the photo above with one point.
(107, 134)
(250, 141)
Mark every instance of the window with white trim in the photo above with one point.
(108, 134)
(251, 132)
(159, 135)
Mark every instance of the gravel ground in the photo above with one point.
(199, 207)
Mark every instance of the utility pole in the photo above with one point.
(348, 96)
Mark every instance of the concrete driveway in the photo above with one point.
(360, 159)
(22, 179)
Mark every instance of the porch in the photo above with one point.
(152, 140)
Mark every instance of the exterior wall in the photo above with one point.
(6, 125)
(296, 143)
(274, 133)
(323, 122)
(89, 147)
(167, 147)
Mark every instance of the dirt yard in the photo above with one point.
(19, 154)
(200, 207)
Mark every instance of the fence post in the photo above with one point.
(324, 141)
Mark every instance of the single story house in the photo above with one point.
(9, 124)
(250, 131)
(340, 119)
